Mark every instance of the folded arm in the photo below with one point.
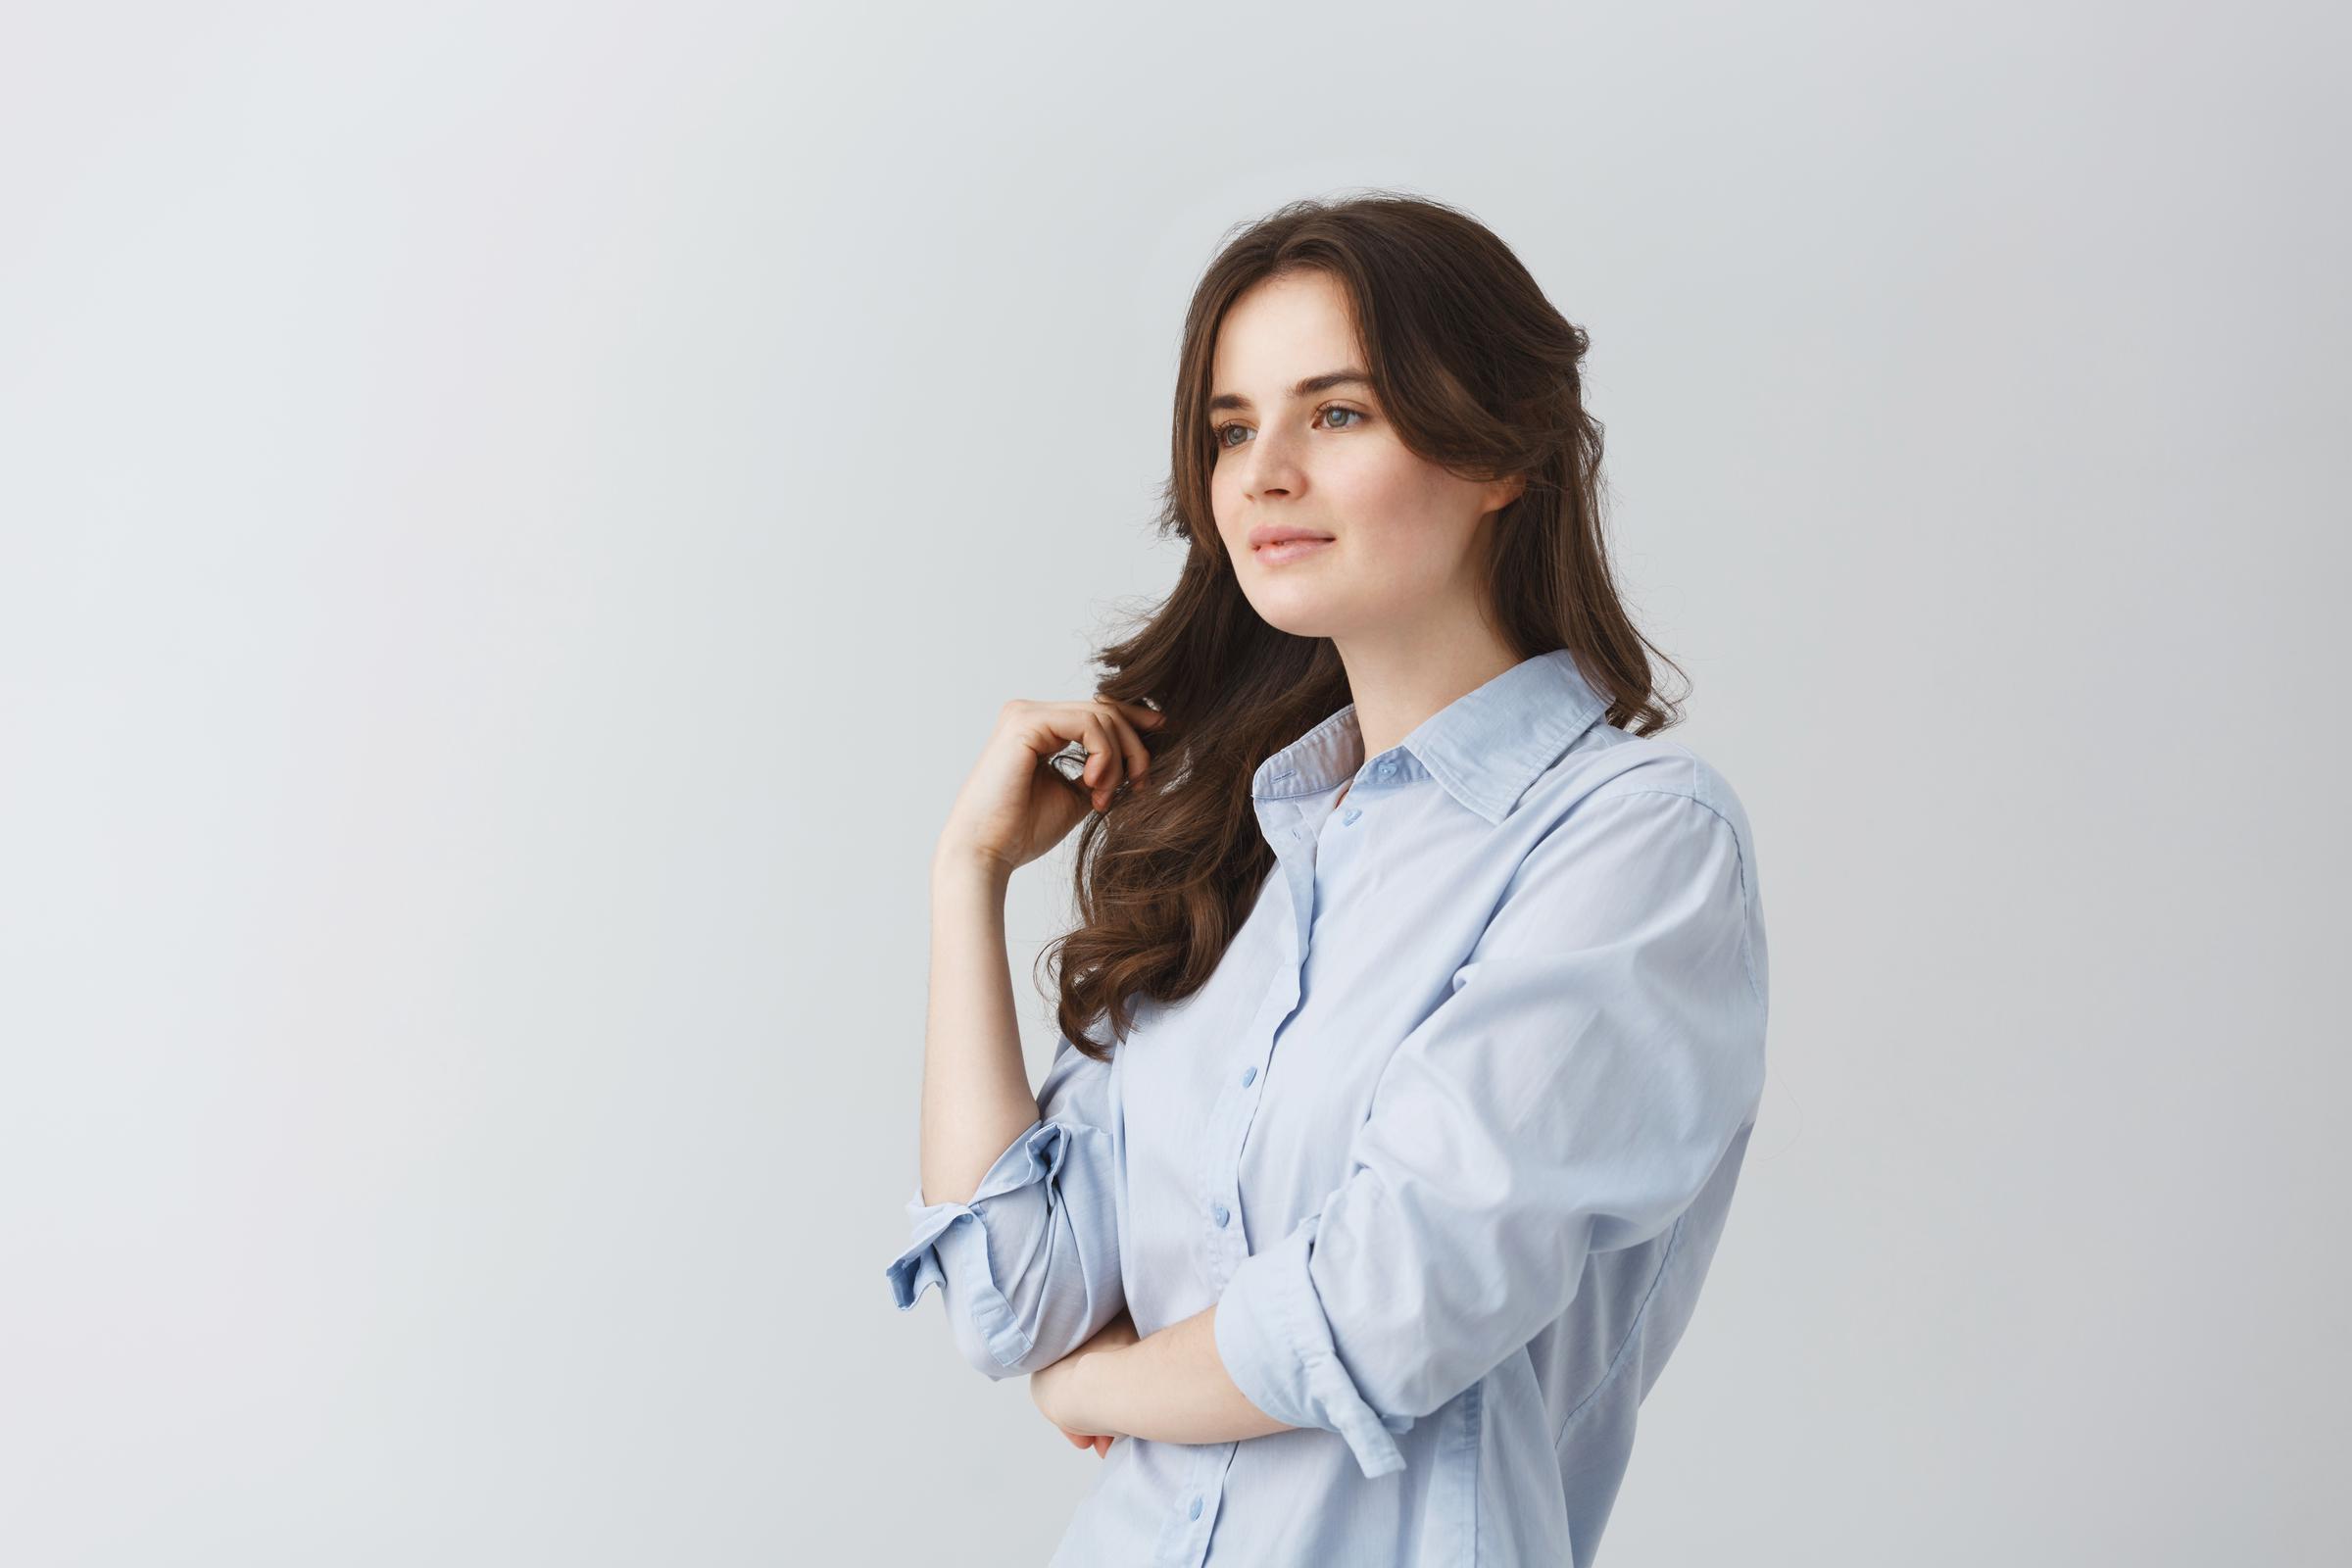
(1601, 1051)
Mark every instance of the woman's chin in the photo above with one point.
(1300, 611)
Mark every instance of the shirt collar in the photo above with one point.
(1485, 747)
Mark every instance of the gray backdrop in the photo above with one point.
(517, 517)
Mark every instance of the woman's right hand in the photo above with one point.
(1016, 805)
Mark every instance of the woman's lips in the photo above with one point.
(1274, 555)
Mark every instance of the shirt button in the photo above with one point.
(1249, 1076)
(1221, 1211)
(1196, 1507)
(1349, 817)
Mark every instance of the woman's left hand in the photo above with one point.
(1054, 1388)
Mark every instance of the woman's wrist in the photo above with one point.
(958, 867)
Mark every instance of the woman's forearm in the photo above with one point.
(1170, 1387)
(976, 1094)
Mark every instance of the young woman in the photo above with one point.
(1435, 981)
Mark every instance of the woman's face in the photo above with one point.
(1299, 452)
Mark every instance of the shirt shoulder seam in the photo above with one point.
(1747, 955)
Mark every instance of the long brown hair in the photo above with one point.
(1475, 370)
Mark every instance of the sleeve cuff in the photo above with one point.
(1276, 1346)
(956, 1256)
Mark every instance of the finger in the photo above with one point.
(1137, 756)
(1103, 765)
(1050, 729)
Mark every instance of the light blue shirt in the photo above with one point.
(1448, 1139)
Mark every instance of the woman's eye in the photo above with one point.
(1217, 436)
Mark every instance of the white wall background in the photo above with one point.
(515, 520)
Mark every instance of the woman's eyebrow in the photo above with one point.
(1305, 389)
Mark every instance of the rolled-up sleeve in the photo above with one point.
(1597, 1055)
(1029, 1268)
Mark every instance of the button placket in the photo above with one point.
(1227, 1244)
(1185, 1539)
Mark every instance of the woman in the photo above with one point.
(1435, 982)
